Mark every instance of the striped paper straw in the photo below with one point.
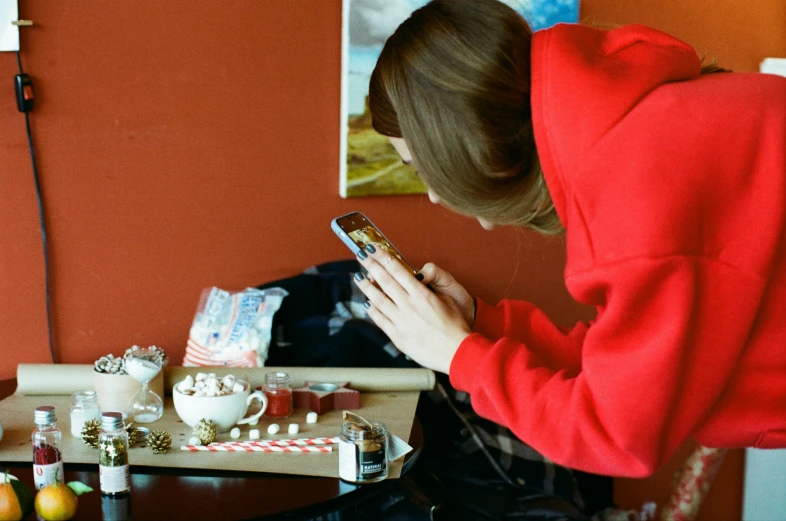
(280, 443)
(256, 448)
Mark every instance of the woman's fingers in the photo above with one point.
(378, 298)
(395, 279)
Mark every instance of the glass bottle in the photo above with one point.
(84, 407)
(279, 395)
(362, 453)
(47, 455)
(113, 469)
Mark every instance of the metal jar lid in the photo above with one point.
(45, 415)
(112, 421)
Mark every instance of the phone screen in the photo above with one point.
(356, 230)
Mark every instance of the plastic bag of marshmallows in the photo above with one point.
(232, 328)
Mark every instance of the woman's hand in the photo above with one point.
(444, 284)
(425, 325)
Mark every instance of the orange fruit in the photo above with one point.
(56, 502)
(15, 498)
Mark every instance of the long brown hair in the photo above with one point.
(454, 81)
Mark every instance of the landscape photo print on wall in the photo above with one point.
(369, 164)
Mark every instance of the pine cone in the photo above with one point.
(110, 365)
(205, 430)
(160, 442)
(132, 434)
(90, 432)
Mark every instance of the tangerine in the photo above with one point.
(56, 502)
(15, 498)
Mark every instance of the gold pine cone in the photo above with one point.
(205, 430)
(132, 434)
(160, 442)
(90, 432)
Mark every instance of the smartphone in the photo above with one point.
(356, 230)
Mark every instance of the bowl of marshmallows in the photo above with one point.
(224, 401)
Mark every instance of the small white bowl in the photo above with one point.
(224, 411)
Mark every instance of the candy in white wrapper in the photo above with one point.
(235, 433)
(253, 434)
(294, 428)
(311, 417)
(273, 428)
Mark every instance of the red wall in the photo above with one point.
(183, 145)
(189, 144)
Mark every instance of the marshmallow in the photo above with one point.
(311, 417)
(193, 440)
(235, 433)
(253, 434)
(212, 389)
(273, 428)
(294, 428)
(200, 376)
(255, 421)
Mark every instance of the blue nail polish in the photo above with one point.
(367, 304)
(370, 248)
(359, 276)
(362, 255)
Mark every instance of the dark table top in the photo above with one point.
(188, 494)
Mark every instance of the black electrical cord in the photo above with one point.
(41, 220)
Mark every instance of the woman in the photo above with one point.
(670, 185)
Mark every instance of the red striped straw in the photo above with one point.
(278, 443)
(255, 448)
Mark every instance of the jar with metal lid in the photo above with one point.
(363, 453)
(114, 472)
(47, 455)
(279, 395)
(84, 407)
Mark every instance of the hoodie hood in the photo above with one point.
(585, 81)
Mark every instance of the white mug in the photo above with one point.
(224, 411)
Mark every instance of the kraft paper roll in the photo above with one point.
(64, 379)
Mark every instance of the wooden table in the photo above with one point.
(188, 494)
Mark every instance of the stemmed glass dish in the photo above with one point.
(143, 364)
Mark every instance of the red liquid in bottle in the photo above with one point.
(279, 403)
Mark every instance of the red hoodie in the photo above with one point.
(672, 189)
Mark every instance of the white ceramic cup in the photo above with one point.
(224, 411)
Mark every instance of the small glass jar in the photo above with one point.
(47, 455)
(363, 453)
(84, 407)
(279, 395)
(114, 472)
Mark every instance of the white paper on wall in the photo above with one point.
(9, 33)
(773, 66)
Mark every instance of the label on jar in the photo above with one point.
(44, 475)
(362, 461)
(114, 480)
(371, 461)
(347, 461)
